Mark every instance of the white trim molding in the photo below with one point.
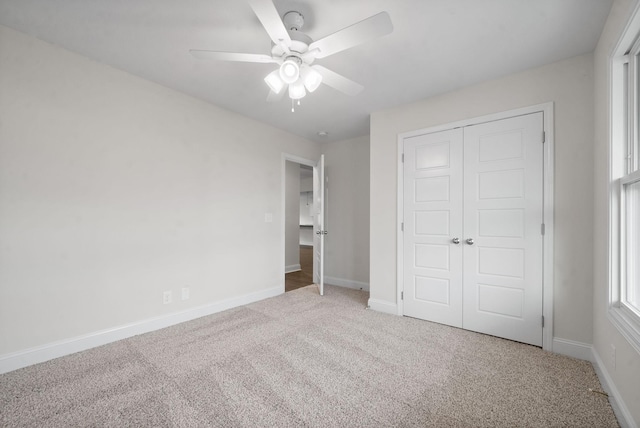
(547, 110)
(625, 419)
(292, 268)
(347, 283)
(571, 348)
(383, 306)
(40, 354)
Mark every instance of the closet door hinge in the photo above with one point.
(403, 158)
(402, 295)
(542, 229)
(543, 321)
(402, 226)
(544, 137)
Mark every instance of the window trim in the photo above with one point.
(622, 169)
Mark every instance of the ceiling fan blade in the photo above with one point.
(363, 31)
(268, 15)
(338, 81)
(273, 97)
(230, 56)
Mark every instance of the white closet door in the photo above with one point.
(433, 218)
(503, 201)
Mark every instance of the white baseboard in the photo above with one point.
(619, 407)
(347, 283)
(571, 348)
(20, 359)
(292, 268)
(383, 306)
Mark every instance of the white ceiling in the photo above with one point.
(436, 46)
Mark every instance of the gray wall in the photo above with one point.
(292, 216)
(626, 373)
(114, 189)
(347, 244)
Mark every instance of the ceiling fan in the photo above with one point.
(294, 52)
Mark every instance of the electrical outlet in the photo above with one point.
(185, 293)
(613, 356)
(166, 297)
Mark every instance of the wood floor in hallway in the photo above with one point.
(303, 277)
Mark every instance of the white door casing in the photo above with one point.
(318, 225)
(319, 215)
(481, 183)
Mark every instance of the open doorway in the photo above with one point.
(299, 220)
(291, 168)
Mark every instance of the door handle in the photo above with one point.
(470, 241)
(456, 241)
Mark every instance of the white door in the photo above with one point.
(480, 186)
(503, 204)
(318, 225)
(432, 225)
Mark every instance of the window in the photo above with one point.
(625, 189)
(631, 250)
(630, 185)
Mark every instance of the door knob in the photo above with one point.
(470, 241)
(456, 240)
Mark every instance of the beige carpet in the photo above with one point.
(304, 360)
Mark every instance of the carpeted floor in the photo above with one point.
(304, 360)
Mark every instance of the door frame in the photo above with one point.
(283, 192)
(547, 110)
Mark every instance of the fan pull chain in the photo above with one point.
(292, 109)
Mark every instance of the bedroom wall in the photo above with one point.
(625, 374)
(114, 189)
(569, 85)
(347, 244)
(292, 217)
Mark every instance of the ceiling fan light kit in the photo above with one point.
(295, 52)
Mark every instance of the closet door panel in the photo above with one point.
(503, 200)
(433, 217)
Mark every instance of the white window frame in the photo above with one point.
(624, 163)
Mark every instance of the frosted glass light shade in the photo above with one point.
(296, 91)
(289, 71)
(274, 81)
(312, 79)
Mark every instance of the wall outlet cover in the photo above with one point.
(166, 297)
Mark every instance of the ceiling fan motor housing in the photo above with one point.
(299, 45)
